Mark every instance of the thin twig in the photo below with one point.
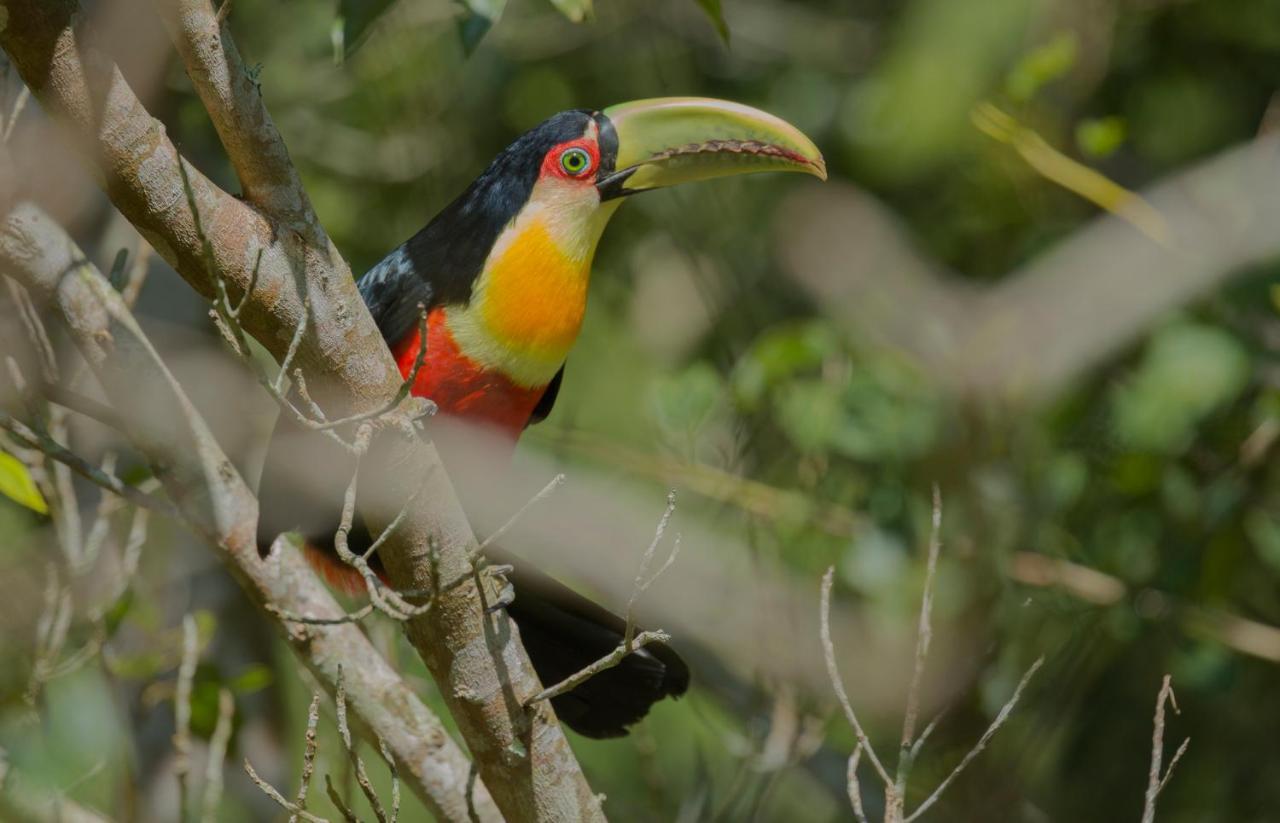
(399, 518)
(641, 583)
(837, 683)
(406, 386)
(852, 785)
(1000, 718)
(546, 491)
(217, 756)
(182, 713)
(302, 619)
(630, 640)
(384, 599)
(226, 316)
(55, 450)
(1155, 780)
(344, 731)
(924, 637)
(24, 94)
(395, 779)
(610, 660)
(347, 815)
(270, 791)
(308, 754)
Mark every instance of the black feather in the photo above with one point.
(547, 401)
(305, 474)
(439, 265)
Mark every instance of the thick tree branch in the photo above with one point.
(243, 124)
(198, 477)
(483, 671)
(1021, 338)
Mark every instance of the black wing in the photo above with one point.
(547, 401)
(392, 290)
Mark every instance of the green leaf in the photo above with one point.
(1041, 66)
(17, 485)
(716, 14)
(354, 19)
(575, 10)
(684, 402)
(477, 19)
(1101, 137)
(252, 679)
(1188, 371)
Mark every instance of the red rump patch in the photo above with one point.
(336, 573)
(460, 387)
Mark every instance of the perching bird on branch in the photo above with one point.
(503, 273)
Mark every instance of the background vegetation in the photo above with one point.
(1123, 522)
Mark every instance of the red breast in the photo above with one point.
(459, 387)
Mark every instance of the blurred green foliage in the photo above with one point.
(1156, 469)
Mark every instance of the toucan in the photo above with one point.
(502, 273)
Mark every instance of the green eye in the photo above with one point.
(575, 161)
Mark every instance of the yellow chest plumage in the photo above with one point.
(528, 303)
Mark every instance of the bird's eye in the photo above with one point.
(575, 161)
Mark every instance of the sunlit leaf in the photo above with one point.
(575, 10)
(1068, 173)
(17, 485)
(715, 13)
(1101, 137)
(1041, 66)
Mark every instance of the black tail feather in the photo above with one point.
(565, 632)
(301, 490)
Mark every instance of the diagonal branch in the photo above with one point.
(234, 103)
(348, 369)
(214, 501)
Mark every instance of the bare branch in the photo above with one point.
(545, 492)
(1155, 780)
(235, 106)
(383, 598)
(833, 671)
(347, 815)
(344, 359)
(344, 731)
(610, 660)
(159, 419)
(395, 779)
(924, 631)
(217, 757)
(270, 791)
(643, 581)
(999, 720)
(631, 642)
(182, 714)
(24, 94)
(851, 783)
(308, 753)
(907, 749)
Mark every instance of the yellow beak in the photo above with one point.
(669, 140)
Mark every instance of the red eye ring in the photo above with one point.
(573, 160)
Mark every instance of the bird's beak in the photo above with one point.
(670, 140)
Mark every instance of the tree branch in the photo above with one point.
(483, 671)
(235, 106)
(164, 426)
